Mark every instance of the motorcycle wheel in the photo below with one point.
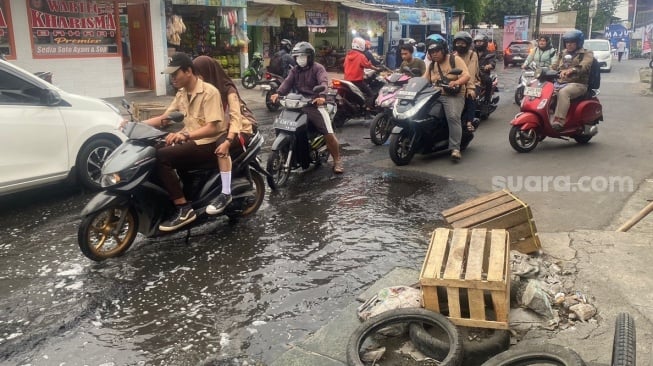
(339, 119)
(272, 107)
(380, 128)
(276, 160)
(519, 94)
(523, 141)
(249, 81)
(259, 196)
(402, 147)
(583, 139)
(98, 236)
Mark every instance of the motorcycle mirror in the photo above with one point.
(176, 117)
(455, 71)
(125, 104)
(319, 89)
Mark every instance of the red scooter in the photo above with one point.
(532, 124)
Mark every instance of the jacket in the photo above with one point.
(355, 62)
(304, 79)
(543, 58)
(581, 62)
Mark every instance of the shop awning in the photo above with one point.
(273, 2)
(360, 5)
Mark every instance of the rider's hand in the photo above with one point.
(471, 94)
(223, 149)
(175, 138)
(488, 67)
(274, 97)
(565, 73)
(523, 66)
(122, 124)
(319, 101)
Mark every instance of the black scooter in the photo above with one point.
(269, 85)
(134, 200)
(421, 125)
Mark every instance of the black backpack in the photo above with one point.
(594, 81)
(276, 64)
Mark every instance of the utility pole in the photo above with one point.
(591, 13)
(538, 15)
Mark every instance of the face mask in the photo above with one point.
(302, 60)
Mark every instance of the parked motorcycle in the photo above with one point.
(532, 124)
(421, 123)
(383, 122)
(134, 200)
(525, 79)
(351, 100)
(254, 72)
(269, 86)
(298, 144)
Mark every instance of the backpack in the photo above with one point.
(276, 64)
(594, 81)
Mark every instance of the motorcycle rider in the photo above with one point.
(369, 55)
(240, 128)
(420, 51)
(205, 129)
(303, 78)
(574, 74)
(486, 65)
(409, 61)
(544, 54)
(429, 41)
(355, 62)
(462, 42)
(287, 61)
(453, 104)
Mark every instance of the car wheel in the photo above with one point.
(90, 160)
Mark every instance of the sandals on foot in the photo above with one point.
(337, 167)
(470, 127)
(557, 126)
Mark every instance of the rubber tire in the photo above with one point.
(624, 344)
(272, 107)
(515, 145)
(395, 141)
(339, 119)
(371, 325)
(280, 178)
(561, 355)
(249, 82)
(84, 154)
(519, 94)
(385, 121)
(583, 139)
(650, 64)
(259, 184)
(85, 246)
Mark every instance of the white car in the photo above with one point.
(49, 135)
(602, 52)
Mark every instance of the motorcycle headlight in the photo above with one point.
(112, 179)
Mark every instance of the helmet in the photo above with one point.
(439, 46)
(433, 38)
(304, 48)
(465, 37)
(421, 47)
(286, 45)
(368, 44)
(410, 41)
(573, 36)
(480, 38)
(358, 43)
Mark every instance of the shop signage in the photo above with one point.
(73, 28)
(319, 14)
(317, 18)
(263, 16)
(420, 16)
(515, 28)
(370, 23)
(6, 37)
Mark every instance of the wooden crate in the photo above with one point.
(143, 111)
(471, 269)
(498, 210)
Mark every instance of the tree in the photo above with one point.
(497, 9)
(604, 12)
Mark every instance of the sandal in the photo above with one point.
(557, 126)
(337, 167)
(470, 127)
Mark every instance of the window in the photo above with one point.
(14, 90)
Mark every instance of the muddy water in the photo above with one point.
(248, 289)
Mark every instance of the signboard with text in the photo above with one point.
(6, 31)
(63, 28)
(420, 16)
(515, 28)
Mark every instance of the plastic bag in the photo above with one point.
(389, 298)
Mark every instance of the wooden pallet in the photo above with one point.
(498, 210)
(471, 268)
(143, 111)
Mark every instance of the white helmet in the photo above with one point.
(358, 43)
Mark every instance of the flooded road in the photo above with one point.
(247, 289)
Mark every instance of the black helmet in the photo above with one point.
(421, 47)
(573, 36)
(286, 45)
(439, 45)
(465, 37)
(481, 38)
(304, 48)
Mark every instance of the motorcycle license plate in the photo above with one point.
(532, 92)
(284, 124)
(407, 95)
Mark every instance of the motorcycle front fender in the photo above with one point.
(282, 140)
(397, 130)
(103, 200)
(526, 120)
(249, 72)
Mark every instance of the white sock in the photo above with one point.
(226, 182)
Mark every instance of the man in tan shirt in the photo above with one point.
(194, 146)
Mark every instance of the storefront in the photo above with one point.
(7, 47)
(270, 21)
(368, 22)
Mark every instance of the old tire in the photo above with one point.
(402, 147)
(380, 128)
(624, 343)
(249, 82)
(98, 236)
(406, 315)
(546, 354)
(523, 141)
(90, 160)
(275, 166)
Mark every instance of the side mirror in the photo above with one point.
(51, 98)
(125, 104)
(176, 117)
(456, 71)
(319, 89)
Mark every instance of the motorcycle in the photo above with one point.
(269, 86)
(297, 143)
(486, 104)
(525, 79)
(532, 124)
(351, 100)
(254, 72)
(383, 122)
(421, 125)
(133, 199)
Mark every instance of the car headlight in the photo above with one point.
(112, 179)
